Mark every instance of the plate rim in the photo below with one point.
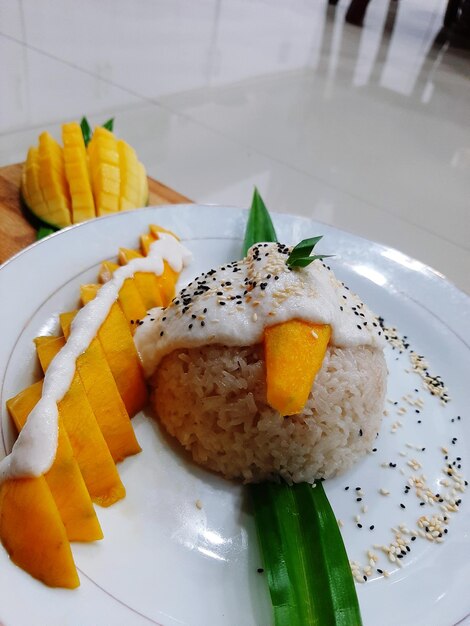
(429, 273)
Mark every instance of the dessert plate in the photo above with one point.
(181, 548)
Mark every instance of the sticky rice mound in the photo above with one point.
(213, 400)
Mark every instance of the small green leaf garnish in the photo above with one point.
(259, 226)
(86, 130)
(300, 255)
(109, 125)
(88, 133)
(44, 231)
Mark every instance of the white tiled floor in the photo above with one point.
(366, 129)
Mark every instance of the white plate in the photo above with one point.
(164, 561)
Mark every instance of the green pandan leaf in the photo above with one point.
(109, 125)
(86, 130)
(259, 226)
(304, 558)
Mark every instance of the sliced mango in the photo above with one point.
(167, 281)
(52, 180)
(145, 242)
(47, 347)
(33, 533)
(146, 282)
(104, 398)
(88, 292)
(30, 186)
(121, 354)
(90, 449)
(64, 477)
(106, 402)
(107, 270)
(294, 353)
(66, 320)
(131, 303)
(155, 231)
(130, 195)
(76, 170)
(124, 361)
(104, 170)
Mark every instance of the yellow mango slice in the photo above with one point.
(106, 402)
(129, 297)
(167, 281)
(47, 347)
(155, 231)
(104, 398)
(52, 181)
(89, 447)
(64, 477)
(146, 282)
(294, 353)
(130, 196)
(131, 303)
(124, 361)
(30, 187)
(121, 355)
(33, 534)
(88, 292)
(145, 242)
(104, 170)
(76, 171)
(66, 320)
(106, 271)
(143, 186)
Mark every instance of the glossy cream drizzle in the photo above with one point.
(233, 304)
(35, 449)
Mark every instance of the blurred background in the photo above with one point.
(356, 114)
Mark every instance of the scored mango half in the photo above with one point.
(294, 353)
(65, 185)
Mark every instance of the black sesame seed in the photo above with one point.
(371, 527)
(402, 505)
(358, 499)
(359, 525)
(190, 326)
(161, 333)
(346, 488)
(260, 570)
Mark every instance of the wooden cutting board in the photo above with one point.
(16, 232)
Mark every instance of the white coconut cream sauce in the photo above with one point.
(35, 449)
(233, 304)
